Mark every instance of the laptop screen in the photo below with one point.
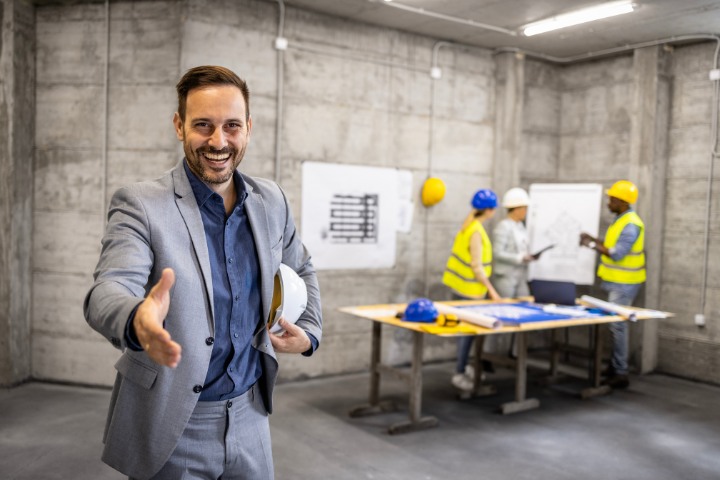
(550, 291)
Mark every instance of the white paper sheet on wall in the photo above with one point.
(349, 215)
(557, 214)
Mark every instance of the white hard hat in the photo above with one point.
(516, 197)
(289, 298)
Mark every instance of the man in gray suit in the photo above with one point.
(184, 287)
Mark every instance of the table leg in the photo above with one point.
(521, 403)
(596, 389)
(374, 404)
(416, 422)
(479, 388)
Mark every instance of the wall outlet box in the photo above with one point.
(281, 43)
(699, 319)
(436, 73)
(715, 74)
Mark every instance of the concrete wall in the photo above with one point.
(361, 95)
(353, 94)
(686, 349)
(17, 85)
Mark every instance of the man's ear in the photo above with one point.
(178, 123)
(249, 125)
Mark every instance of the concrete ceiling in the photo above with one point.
(652, 20)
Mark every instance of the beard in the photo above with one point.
(196, 161)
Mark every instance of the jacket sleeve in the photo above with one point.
(297, 257)
(123, 269)
(504, 248)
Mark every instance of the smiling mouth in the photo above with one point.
(216, 157)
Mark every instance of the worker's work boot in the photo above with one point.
(617, 381)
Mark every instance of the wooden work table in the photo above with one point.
(385, 314)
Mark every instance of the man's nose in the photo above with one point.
(218, 140)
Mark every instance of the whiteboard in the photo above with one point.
(557, 214)
(350, 214)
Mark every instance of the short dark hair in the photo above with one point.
(206, 76)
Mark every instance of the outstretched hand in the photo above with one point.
(292, 340)
(148, 323)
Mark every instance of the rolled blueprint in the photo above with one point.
(467, 315)
(626, 313)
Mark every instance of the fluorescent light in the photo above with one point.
(578, 16)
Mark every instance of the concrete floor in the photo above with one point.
(660, 428)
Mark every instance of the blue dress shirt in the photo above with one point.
(234, 364)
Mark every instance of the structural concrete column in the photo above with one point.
(647, 168)
(509, 102)
(17, 137)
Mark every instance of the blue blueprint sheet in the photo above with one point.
(531, 312)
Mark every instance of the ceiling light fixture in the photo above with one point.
(577, 17)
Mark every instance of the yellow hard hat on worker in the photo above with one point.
(625, 190)
(433, 191)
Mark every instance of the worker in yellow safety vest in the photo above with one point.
(621, 269)
(467, 272)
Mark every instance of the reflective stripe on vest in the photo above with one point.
(631, 268)
(459, 275)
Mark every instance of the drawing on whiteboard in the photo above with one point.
(563, 232)
(354, 218)
(556, 215)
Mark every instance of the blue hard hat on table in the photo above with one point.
(420, 310)
(484, 198)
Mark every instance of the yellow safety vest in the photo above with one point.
(459, 275)
(631, 268)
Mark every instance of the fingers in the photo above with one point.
(293, 340)
(163, 350)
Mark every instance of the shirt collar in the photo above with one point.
(203, 192)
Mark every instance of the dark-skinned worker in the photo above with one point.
(621, 269)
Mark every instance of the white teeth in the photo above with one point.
(217, 156)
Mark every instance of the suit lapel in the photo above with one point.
(186, 203)
(257, 214)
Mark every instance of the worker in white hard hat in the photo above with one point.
(621, 269)
(510, 246)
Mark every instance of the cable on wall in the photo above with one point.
(106, 114)
(281, 44)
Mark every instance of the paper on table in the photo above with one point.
(626, 313)
(467, 316)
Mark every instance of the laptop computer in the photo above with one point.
(551, 291)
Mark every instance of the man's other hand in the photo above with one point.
(292, 340)
(148, 323)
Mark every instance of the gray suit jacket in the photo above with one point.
(157, 224)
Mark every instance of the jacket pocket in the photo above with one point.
(136, 371)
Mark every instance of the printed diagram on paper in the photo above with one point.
(354, 218)
(557, 214)
(350, 214)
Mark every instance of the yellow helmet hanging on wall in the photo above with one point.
(625, 190)
(433, 191)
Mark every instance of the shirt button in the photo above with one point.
(237, 297)
(229, 260)
(229, 404)
(197, 388)
(235, 335)
(209, 340)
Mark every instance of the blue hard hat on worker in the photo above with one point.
(420, 310)
(484, 198)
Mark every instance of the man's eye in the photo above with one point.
(202, 126)
(233, 127)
